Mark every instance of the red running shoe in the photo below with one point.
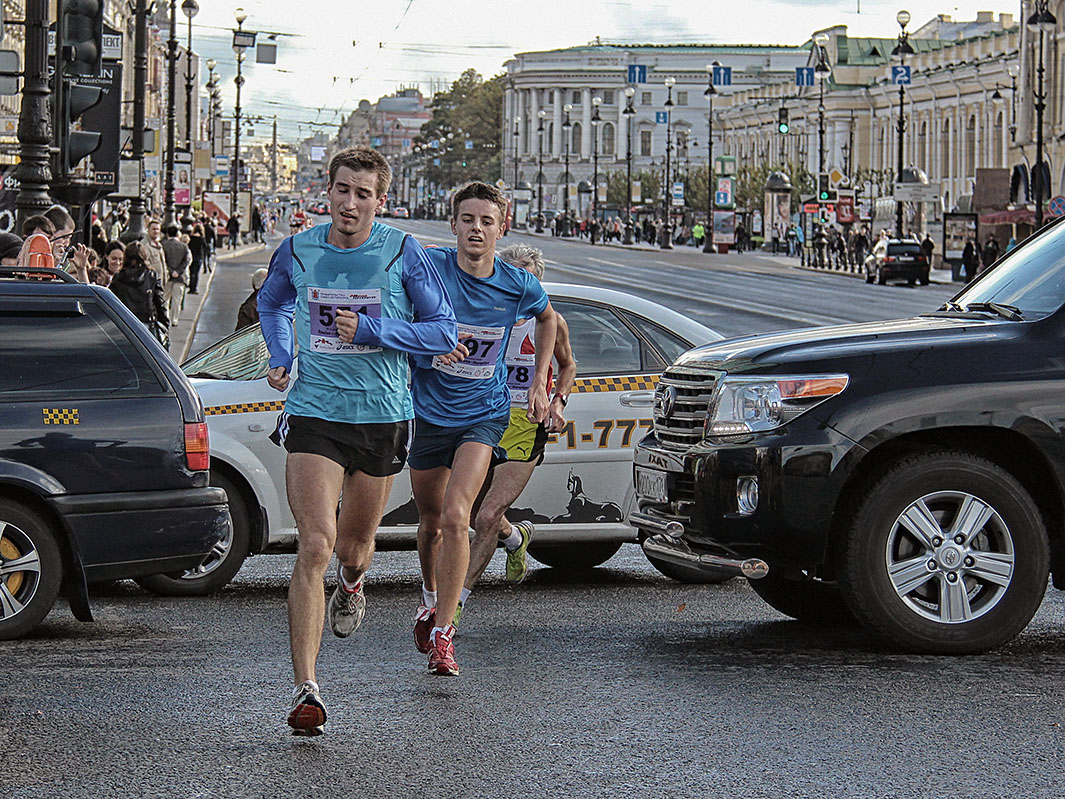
(307, 716)
(423, 627)
(442, 654)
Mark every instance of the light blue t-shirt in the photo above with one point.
(390, 282)
(486, 310)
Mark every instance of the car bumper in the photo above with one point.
(127, 535)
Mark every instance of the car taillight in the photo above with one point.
(889, 259)
(197, 449)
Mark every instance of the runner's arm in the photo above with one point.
(277, 304)
(434, 331)
(546, 325)
(567, 373)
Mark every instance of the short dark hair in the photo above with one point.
(38, 223)
(111, 246)
(363, 159)
(480, 191)
(134, 255)
(172, 230)
(60, 218)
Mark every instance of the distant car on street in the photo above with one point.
(401, 213)
(897, 259)
(579, 498)
(103, 451)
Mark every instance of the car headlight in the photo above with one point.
(744, 405)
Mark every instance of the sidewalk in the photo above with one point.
(181, 336)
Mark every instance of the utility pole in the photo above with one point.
(34, 127)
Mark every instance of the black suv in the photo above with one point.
(909, 474)
(897, 259)
(103, 450)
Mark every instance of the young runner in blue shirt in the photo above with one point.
(351, 291)
(462, 404)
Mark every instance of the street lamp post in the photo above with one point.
(708, 238)
(135, 227)
(566, 126)
(514, 186)
(212, 84)
(902, 49)
(667, 234)
(540, 172)
(190, 8)
(1042, 21)
(171, 122)
(596, 102)
(629, 112)
(822, 71)
(240, 15)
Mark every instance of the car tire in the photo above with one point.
(31, 569)
(574, 557)
(940, 522)
(221, 565)
(804, 600)
(690, 574)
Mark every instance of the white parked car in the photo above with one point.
(579, 498)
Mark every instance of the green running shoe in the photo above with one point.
(517, 562)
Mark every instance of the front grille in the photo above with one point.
(692, 387)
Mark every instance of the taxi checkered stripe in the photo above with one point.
(586, 385)
(60, 415)
(244, 407)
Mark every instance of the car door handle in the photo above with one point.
(638, 399)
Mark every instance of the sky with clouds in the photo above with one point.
(333, 53)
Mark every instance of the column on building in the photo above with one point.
(523, 126)
(586, 123)
(534, 122)
(556, 127)
(621, 138)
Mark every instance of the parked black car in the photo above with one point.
(908, 473)
(897, 259)
(103, 450)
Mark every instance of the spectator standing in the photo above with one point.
(991, 252)
(153, 248)
(970, 259)
(233, 229)
(139, 290)
(248, 313)
(178, 260)
(198, 248)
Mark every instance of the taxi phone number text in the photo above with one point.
(606, 429)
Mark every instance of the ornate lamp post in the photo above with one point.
(629, 113)
(566, 126)
(240, 15)
(540, 172)
(171, 122)
(1043, 22)
(514, 186)
(596, 102)
(212, 85)
(667, 232)
(902, 49)
(822, 72)
(189, 8)
(708, 238)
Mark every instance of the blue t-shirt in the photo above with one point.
(486, 310)
(389, 281)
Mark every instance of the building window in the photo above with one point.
(682, 98)
(645, 142)
(575, 142)
(608, 139)
(645, 98)
(608, 96)
(576, 100)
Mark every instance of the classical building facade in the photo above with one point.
(968, 106)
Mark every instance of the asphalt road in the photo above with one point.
(612, 682)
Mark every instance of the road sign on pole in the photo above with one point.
(916, 192)
(804, 76)
(1057, 206)
(722, 76)
(661, 117)
(900, 74)
(637, 73)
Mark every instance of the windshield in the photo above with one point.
(1030, 279)
(241, 356)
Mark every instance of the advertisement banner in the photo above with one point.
(724, 227)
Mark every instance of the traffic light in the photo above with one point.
(782, 120)
(825, 194)
(77, 144)
(82, 25)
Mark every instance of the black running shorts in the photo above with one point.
(378, 449)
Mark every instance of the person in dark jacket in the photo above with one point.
(248, 313)
(200, 254)
(138, 288)
(970, 259)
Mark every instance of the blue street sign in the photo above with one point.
(722, 76)
(375, 141)
(637, 73)
(469, 144)
(804, 76)
(406, 142)
(436, 162)
(722, 198)
(661, 117)
(900, 75)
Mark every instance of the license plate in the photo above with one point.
(651, 485)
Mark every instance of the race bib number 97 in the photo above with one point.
(323, 305)
(484, 345)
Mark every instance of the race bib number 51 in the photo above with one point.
(484, 344)
(323, 305)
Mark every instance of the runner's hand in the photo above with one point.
(538, 404)
(347, 324)
(556, 418)
(458, 354)
(278, 378)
